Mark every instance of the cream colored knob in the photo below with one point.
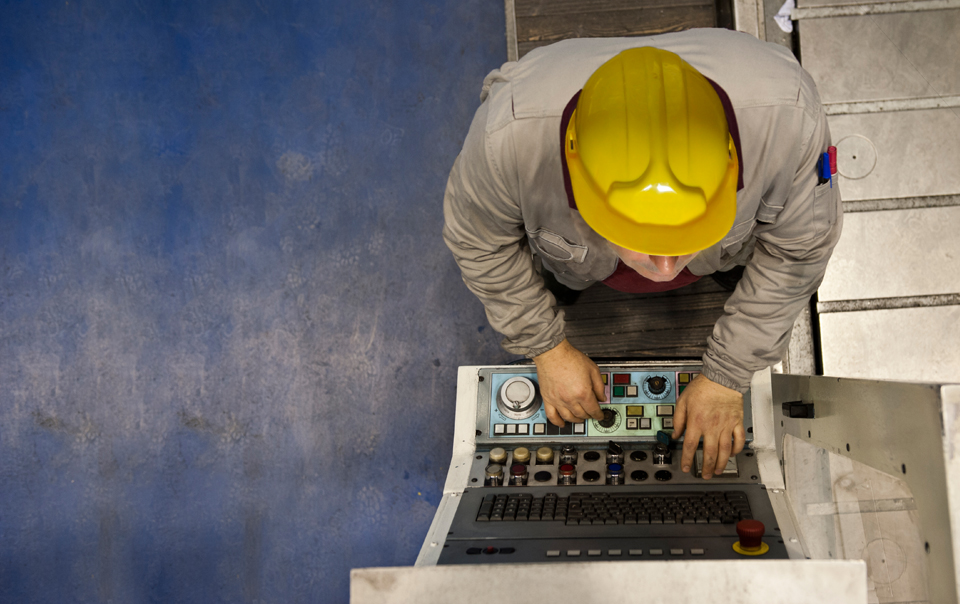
(498, 455)
(544, 455)
(521, 455)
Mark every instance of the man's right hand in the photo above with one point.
(570, 385)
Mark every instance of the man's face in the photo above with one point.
(655, 268)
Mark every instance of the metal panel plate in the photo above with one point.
(915, 153)
(915, 344)
(883, 57)
(810, 3)
(792, 581)
(895, 253)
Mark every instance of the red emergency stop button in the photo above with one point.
(751, 538)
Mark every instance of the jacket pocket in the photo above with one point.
(826, 198)
(768, 213)
(555, 247)
(735, 237)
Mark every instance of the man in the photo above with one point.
(645, 163)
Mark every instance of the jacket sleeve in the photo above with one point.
(788, 264)
(483, 227)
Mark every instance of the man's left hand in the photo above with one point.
(715, 412)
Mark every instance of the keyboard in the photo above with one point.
(713, 507)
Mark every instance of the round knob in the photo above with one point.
(568, 474)
(609, 418)
(656, 387)
(518, 474)
(750, 533)
(544, 455)
(498, 455)
(614, 474)
(521, 455)
(518, 398)
(494, 470)
(657, 384)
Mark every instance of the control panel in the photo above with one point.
(605, 489)
(640, 402)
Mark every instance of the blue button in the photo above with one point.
(614, 467)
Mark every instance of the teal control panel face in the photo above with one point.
(639, 403)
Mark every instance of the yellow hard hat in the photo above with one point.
(651, 160)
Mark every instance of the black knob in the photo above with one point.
(614, 453)
(609, 418)
(656, 384)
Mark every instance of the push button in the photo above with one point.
(511, 428)
(573, 553)
(614, 552)
(632, 423)
(696, 551)
(636, 552)
(523, 429)
(665, 410)
(632, 391)
(676, 551)
(668, 422)
(579, 428)
(539, 428)
(621, 378)
(499, 428)
(645, 423)
(594, 552)
(656, 552)
(553, 553)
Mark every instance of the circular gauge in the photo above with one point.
(610, 422)
(518, 398)
(656, 387)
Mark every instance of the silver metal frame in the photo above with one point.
(510, 13)
(748, 17)
(909, 430)
(872, 8)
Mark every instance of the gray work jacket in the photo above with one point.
(506, 194)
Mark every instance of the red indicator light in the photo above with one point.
(621, 378)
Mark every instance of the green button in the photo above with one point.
(618, 391)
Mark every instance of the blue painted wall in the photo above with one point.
(229, 329)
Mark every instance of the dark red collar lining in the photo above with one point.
(727, 110)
